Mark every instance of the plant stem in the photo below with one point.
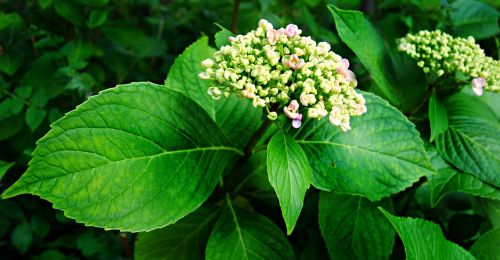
(234, 18)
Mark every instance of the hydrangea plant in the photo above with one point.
(440, 53)
(282, 71)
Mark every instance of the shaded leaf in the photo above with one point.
(240, 234)
(437, 116)
(486, 247)
(186, 239)
(21, 237)
(353, 227)
(4, 167)
(474, 18)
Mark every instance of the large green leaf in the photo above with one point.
(437, 116)
(237, 118)
(186, 239)
(474, 18)
(471, 142)
(448, 180)
(136, 157)
(363, 39)
(353, 227)
(424, 240)
(382, 154)
(239, 234)
(486, 247)
(289, 174)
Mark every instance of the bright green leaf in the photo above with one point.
(186, 239)
(4, 167)
(381, 155)
(135, 157)
(21, 237)
(474, 18)
(363, 39)
(486, 247)
(289, 174)
(424, 240)
(471, 142)
(437, 116)
(353, 227)
(448, 180)
(34, 117)
(239, 234)
(237, 118)
(222, 36)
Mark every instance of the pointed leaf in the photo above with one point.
(486, 247)
(237, 118)
(4, 167)
(424, 240)
(437, 116)
(135, 157)
(363, 39)
(471, 142)
(222, 37)
(382, 154)
(353, 227)
(34, 117)
(448, 180)
(186, 239)
(239, 234)
(289, 173)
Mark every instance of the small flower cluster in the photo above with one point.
(441, 53)
(282, 71)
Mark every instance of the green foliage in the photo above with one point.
(354, 228)
(391, 150)
(289, 174)
(239, 234)
(214, 178)
(425, 240)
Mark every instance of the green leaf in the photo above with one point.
(222, 36)
(381, 155)
(424, 240)
(4, 167)
(10, 19)
(135, 157)
(474, 18)
(97, 18)
(186, 239)
(448, 180)
(21, 237)
(237, 118)
(353, 227)
(471, 142)
(437, 117)
(10, 62)
(10, 106)
(289, 174)
(44, 4)
(34, 117)
(486, 247)
(40, 226)
(77, 52)
(70, 11)
(363, 39)
(239, 234)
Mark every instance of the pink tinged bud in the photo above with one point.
(293, 106)
(478, 85)
(296, 123)
(231, 38)
(299, 117)
(294, 62)
(290, 114)
(292, 30)
(346, 63)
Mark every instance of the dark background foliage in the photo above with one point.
(55, 53)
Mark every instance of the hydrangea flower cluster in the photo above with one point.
(282, 71)
(441, 53)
